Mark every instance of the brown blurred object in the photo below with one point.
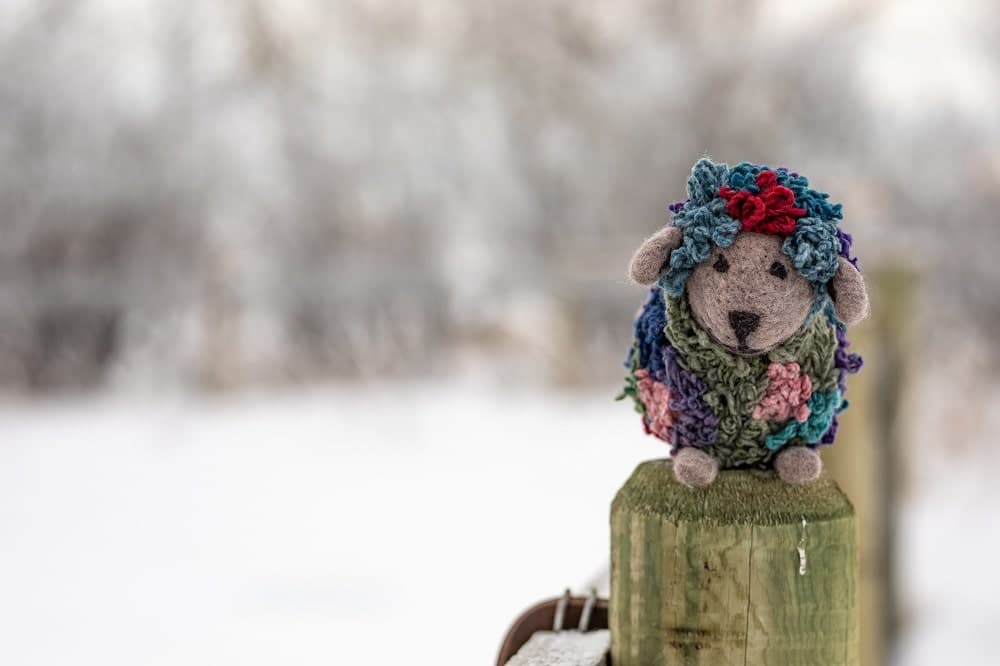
(541, 617)
(866, 460)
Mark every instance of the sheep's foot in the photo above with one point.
(798, 464)
(695, 468)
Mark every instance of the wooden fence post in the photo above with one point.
(747, 571)
(866, 459)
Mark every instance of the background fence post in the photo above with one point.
(865, 461)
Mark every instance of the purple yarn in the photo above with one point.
(846, 363)
(846, 240)
(831, 433)
(676, 206)
(695, 424)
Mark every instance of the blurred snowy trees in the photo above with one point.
(216, 194)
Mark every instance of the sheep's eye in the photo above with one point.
(721, 264)
(778, 270)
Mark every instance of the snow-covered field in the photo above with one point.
(360, 526)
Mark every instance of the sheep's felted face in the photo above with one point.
(748, 296)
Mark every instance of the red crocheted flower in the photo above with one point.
(772, 211)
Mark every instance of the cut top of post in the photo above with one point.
(737, 497)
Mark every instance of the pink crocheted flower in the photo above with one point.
(788, 391)
(655, 396)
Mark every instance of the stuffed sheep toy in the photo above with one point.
(740, 352)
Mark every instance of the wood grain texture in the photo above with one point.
(712, 576)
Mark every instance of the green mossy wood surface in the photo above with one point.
(712, 576)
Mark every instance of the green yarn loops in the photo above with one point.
(736, 384)
(824, 407)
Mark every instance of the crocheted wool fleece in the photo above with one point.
(692, 391)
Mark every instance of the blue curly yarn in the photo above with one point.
(814, 249)
(649, 337)
(814, 202)
(743, 176)
(704, 222)
(705, 180)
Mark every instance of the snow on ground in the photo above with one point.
(949, 529)
(950, 543)
(358, 526)
(343, 526)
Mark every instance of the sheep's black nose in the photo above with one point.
(743, 323)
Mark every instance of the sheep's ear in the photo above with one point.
(850, 296)
(650, 261)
